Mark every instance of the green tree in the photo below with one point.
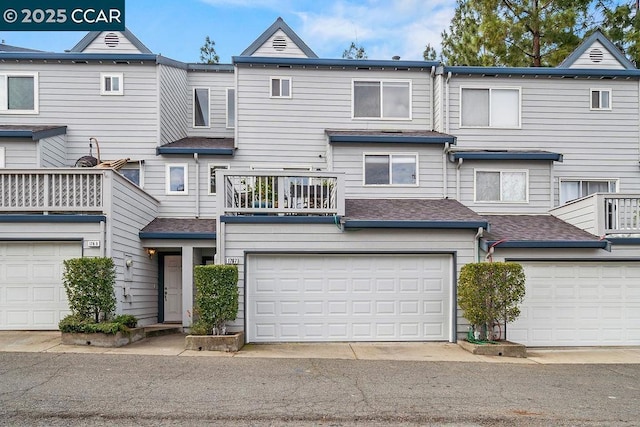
(208, 53)
(621, 24)
(429, 53)
(354, 52)
(516, 33)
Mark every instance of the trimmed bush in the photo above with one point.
(490, 292)
(77, 324)
(216, 301)
(89, 284)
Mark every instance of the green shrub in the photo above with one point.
(89, 284)
(490, 292)
(199, 327)
(78, 324)
(216, 300)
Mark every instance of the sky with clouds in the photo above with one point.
(177, 28)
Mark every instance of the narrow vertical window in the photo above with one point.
(201, 107)
(176, 179)
(231, 108)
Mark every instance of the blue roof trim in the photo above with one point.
(177, 236)
(541, 71)
(349, 63)
(69, 56)
(586, 44)
(271, 219)
(279, 24)
(624, 240)
(37, 135)
(416, 224)
(398, 139)
(506, 155)
(53, 218)
(548, 244)
(203, 151)
(92, 35)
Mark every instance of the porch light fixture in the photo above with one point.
(151, 252)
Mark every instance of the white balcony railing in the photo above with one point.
(280, 193)
(47, 190)
(621, 214)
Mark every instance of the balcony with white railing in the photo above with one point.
(604, 214)
(51, 190)
(280, 193)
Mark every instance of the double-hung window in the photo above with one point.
(382, 99)
(571, 189)
(490, 107)
(177, 179)
(19, 93)
(508, 186)
(201, 107)
(601, 99)
(112, 84)
(280, 87)
(231, 108)
(391, 169)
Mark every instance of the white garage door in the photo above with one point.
(31, 292)
(346, 297)
(579, 304)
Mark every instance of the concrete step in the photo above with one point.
(161, 330)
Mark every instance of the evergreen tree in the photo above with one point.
(621, 24)
(429, 53)
(354, 52)
(208, 53)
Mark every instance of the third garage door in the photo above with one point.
(348, 297)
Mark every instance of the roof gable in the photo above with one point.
(279, 40)
(111, 42)
(597, 51)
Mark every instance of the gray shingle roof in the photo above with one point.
(409, 210)
(181, 226)
(196, 142)
(534, 228)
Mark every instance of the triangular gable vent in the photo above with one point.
(596, 55)
(280, 43)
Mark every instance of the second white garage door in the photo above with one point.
(579, 304)
(347, 297)
(31, 292)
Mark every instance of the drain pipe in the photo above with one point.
(458, 166)
(195, 158)
(476, 246)
(445, 179)
(433, 98)
(447, 96)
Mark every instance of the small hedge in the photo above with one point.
(77, 324)
(89, 284)
(216, 301)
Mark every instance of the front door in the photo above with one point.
(173, 288)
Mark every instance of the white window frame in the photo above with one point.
(281, 79)
(103, 84)
(600, 91)
(4, 93)
(2, 157)
(614, 181)
(390, 155)
(214, 166)
(185, 173)
(208, 115)
(231, 124)
(491, 89)
(501, 171)
(382, 82)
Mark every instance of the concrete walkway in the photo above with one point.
(173, 345)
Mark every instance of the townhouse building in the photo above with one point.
(348, 192)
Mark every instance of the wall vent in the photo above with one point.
(111, 40)
(279, 43)
(596, 55)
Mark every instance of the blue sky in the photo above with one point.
(177, 28)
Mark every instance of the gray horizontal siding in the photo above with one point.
(291, 50)
(53, 151)
(173, 101)
(19, 153)
(217, 84)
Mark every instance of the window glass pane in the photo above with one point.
(132, 175)
(569, 190)
(475, 107)
(604, 99)
(115, 84)
(514, 187)
(590, 187)
(201, 104)
(20, 93)
(107, 84)
(231, 108)
(275, 87)
(212, 177)
(396, 98)
(505, 108)
(176, 178)
(488, 186)
(595, 99)
(376, 170)
(286, 87)
(366, 99)
(403, 169)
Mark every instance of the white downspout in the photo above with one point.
(447, 102)
(445, 180)
(433, 98)
(458, 166)
(476, 245)
(195, 158)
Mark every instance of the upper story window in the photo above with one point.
(571, 189)
(231, 108)
(133, 172)
(382, 99)
(212, 176)
(507, 186)
(19, 93)
(281, 87)
(176, 179)
(490, 107)
(391, 169)
(601, 99)
(201, 107)
(112, 84)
